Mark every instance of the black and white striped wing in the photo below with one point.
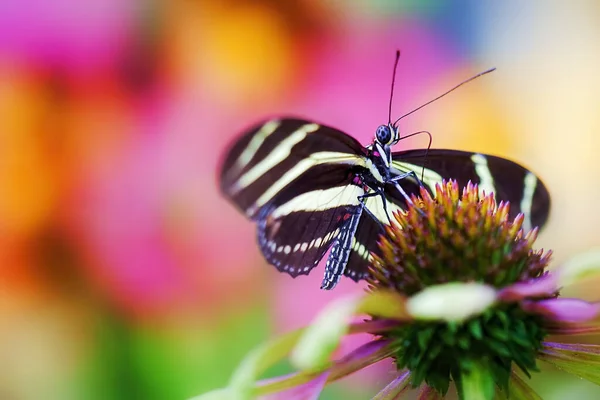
(295, 179)
(294, 235)
(508, 180)
(282, 153)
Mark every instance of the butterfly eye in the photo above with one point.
(383, 134)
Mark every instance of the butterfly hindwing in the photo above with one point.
(294, 233)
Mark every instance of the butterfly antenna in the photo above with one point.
(445, 93)
(393, 83)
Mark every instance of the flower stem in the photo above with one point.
(477, 383)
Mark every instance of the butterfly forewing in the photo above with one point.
(272, 156)
(295, 178)
(508, 180)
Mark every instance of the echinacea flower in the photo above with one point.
(458, 295)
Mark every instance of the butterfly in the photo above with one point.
(311, 188)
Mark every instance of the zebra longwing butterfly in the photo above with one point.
(310, 187)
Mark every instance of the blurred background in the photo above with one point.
(123, 272)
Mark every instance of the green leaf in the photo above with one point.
(475, 328)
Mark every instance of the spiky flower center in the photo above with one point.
(461, 238)
(456, 238)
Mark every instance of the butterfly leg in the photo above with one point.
(405, 175)
(362, 199)
(411, 174)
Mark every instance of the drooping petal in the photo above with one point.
(518, 389)
(260, 359)
(580, 267)
(428, 393)
(373, 326)
(573, 328)
(563, 310)
(367, 354)
(323, 336)
(455, 301)
(284, 382)
(395, 388)
(582, 360)
(307, 391)
(539, 287)
(362, 357)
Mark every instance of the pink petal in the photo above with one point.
(546, 285)
(573, 329)
(563, 310)
(395, 388)
(428, 393)
(364, 351)
(362, 357)
(587, 352)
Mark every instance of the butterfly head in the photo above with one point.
(387, 135)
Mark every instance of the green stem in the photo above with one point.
(477, 383)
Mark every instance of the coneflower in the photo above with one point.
(457, 295)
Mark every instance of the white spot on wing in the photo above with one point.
(360, 249)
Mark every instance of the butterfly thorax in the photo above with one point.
(377, 170)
